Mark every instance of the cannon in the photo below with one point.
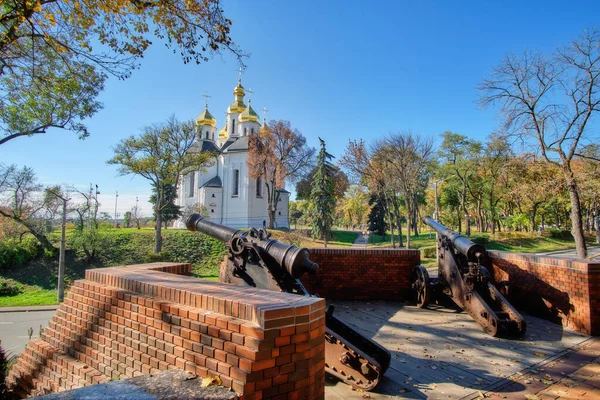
(463, 275)
(255, 260)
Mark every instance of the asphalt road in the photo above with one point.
(15, 325)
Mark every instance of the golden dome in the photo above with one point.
(223, 132)
(264, 129)
(238, 103)
(206, 118)
(249, 114)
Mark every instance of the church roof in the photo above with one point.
(241, 144)
(204, 145)
(249, 114)
(214, 182)
(284, 191)
(206, 118)
(228, 143)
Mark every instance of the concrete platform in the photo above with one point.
(441, 353)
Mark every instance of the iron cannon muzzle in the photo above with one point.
(473, 251)
(197, 223)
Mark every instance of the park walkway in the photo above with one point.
(361, 241)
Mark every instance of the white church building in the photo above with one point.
(230, 196)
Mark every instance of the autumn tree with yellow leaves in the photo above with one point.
(56, 54)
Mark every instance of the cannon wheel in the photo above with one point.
(421, 285)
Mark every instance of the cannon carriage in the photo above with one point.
(464, 277)
(255, 260)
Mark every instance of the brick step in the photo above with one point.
(82, 373)
(76, 371)
(167, 355)
(77, 352)
(44, 379)
(236, 348)
(105, 358)
(43, 369)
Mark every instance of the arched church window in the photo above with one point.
(213, 195)
(236, 182)
(213, 136)
(245, 131)
(207, 134)
(233, 126)
(191, 185)
(212, 210)
(259, 187)
(252, 131)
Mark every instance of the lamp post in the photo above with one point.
(116, 198)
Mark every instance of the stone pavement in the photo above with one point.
(575, 376)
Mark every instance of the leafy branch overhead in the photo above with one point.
(56, 54)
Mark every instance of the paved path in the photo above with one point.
(361, 240)
(14, 327)
(439, 353)
(593, 253)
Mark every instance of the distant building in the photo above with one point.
(230, 196)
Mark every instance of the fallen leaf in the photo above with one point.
(537, 353)
(547, 381)
(481, 395)
(532, 397)
(211, 381)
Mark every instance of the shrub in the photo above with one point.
(429, 252)
(560, 234)
(10, 287)
(480, 239)
(16, 253)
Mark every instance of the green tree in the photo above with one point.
(127, 219)
(322, 196)
(56, 54)
(170, 211)
(161, 155)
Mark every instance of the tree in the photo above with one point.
(161, 155)
(408, 156)
(20, 200)
(56, 54)
(170, 211)
(354, 206)
(136, 216)
(127, 219)
(340, 183)
(322, 195)
(277, 154)
(549, 101)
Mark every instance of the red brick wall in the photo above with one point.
(564, 290)
(125, 322)
(362, 274)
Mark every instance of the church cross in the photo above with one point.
(240, 72)
(250, 92)
(265, 113)
(206, 96)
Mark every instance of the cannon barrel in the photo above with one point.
(460, 242)
(295, 260)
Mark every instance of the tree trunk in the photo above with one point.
(532, 215)
(597, 219)
(415, 219)
(46, 245)
(576, 225)
(157, 233)
(271, 218)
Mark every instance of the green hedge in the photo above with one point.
(10, 287)
(16, 253)
(132, 246)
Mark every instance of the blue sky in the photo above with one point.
(336, 69)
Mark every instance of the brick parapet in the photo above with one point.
(564, 290)
(362, 274)
(125, 322)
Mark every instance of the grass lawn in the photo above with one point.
(33, 296)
